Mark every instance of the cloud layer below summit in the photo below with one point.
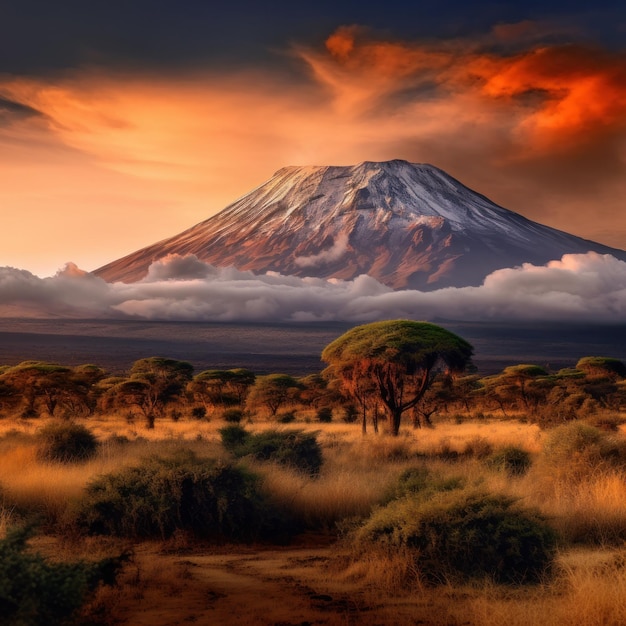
(588, 287)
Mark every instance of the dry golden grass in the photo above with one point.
(356, 474)
(497, 433)
(46, 488)
(30, 485)
(590, 590)
(589, 587)
(328, 499)
(592, 510)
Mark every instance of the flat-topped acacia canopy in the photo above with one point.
(399, 357)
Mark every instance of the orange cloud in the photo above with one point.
(391, 60)
(577, 90)
(341, 43)
(583, 90)
(137, 157)
(361, 71)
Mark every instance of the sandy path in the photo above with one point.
(278, 587)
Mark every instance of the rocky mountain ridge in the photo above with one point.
(408, 225)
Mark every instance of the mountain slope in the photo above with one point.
(407, 225)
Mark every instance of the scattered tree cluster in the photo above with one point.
(392, 370)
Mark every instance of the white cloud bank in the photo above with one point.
(334, 253)
(579, 287)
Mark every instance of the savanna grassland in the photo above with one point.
(225, 502)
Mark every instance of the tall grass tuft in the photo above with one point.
(575, 450)
(66, 442)
(512, 460)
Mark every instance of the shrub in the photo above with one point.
(512, 460)
(576, 448)
(163, 495)
(233, 437)
(117, 440)
(35, 592)
(608, 422)
(458, 535)
(66, 442)
(420, 480)
(478, 447)
(198, 412)
(293, 448)
(324, 415)
(232, 416)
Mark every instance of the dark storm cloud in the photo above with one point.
(11, 111)
(40, 37)
(17, 108)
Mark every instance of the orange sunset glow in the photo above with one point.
(313, 313)
(131, 156)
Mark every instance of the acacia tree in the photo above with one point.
(273, 391)
(400, 358)
(602, 367)
(152, 384)
(524, 386)
(221, 387)
(39, 386)
(357, 388)
(80, 395)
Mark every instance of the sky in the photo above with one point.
(123, 123)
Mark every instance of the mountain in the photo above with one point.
(408, 225)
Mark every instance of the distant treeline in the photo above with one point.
(156, 388)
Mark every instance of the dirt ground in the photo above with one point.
(290, 586)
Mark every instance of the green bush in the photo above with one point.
(458, 535)
(232, 416)
(420, 480)
(233, 437)
(35, 592)
(293, 448)
(163, 495)
(66, 442)
(512, 460)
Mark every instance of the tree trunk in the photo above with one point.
(415, 418)
(396, 417)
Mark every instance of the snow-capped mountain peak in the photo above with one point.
(406, 224)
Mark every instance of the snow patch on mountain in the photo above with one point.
(408, 225)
